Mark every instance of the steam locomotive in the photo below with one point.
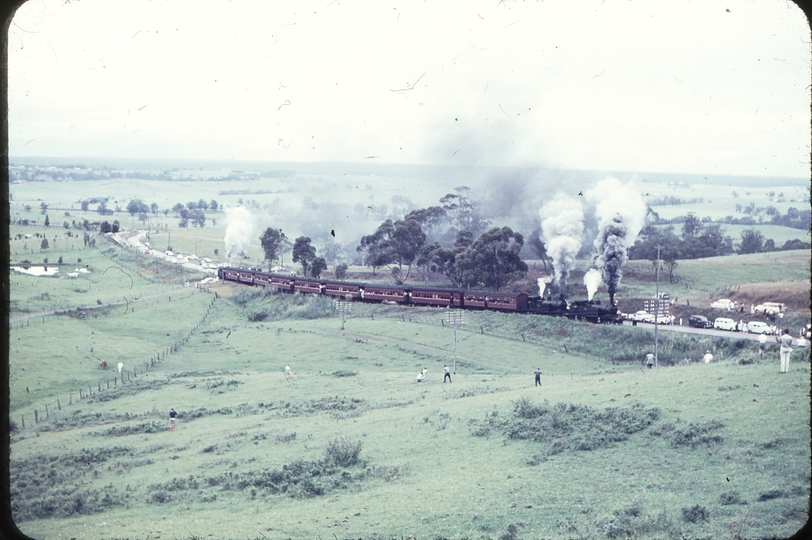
(587, 310)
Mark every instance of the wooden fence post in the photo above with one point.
(47, 412)
(58, 404)
(36, 417)
(80, 393)
(70, 399)
(99, 386)
(22, 417)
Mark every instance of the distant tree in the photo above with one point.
(303, 252)
(429, 218)
(197, 217)
(154, 208)
(142, 217)
(464, 213)
(769, 245)
(115, 227)
(752, 241)
(60, 259)
(183, 223)
(738, 209)
(43, 244)
(394, 244)
(203, 205)
(47, 221)
(444, 260)
(271, 240)
(166, 211)
(66, 224)
(669, 255)
(493, 259)
(691, 226)
(213, 205)
(43, 207)
(85, 205)
(178, 207)
(191, 205)
(318, 266)
(137, 206)
(341, 271)
(105, 227)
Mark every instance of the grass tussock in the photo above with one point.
(341, 468)
(566, 426)
(264, 305)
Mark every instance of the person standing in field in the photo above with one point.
(762, 344)
(538, 374)
(446, 374)
(786, 349)
(650, 360)
(172, 415)
(288, 374)
(708, 358)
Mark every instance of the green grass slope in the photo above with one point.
(352, 447)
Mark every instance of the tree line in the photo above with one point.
(478, 255)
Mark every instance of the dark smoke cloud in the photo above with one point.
(621, 212)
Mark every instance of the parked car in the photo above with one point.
(773, 308)
(758, 327)
(698, 321)
(664, 319)
(723, 303)
(643, 316)
(723, 323)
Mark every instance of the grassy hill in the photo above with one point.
(352, 447)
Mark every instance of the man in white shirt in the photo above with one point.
(708, 358)
(762, 344)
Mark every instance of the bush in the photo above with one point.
(697, 433)
(342, 453)
(565, 426)
(771, 494)
(344, 373)
(694, 514)
(730, 497)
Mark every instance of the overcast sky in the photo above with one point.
(698, 87)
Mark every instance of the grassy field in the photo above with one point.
(352, 447)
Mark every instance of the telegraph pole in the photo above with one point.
(657, 308)
(343, 306)
(454, 318)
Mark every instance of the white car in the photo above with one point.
(643, 316)
(723, 303)
(664, 319)
(770, 308)
(723, 323)
(758, 327)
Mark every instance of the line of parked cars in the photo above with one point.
(725, 323)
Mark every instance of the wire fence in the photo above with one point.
(53, 407)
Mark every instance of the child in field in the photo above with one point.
(172, 415)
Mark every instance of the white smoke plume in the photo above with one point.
(543, 281)
(562, 226)
(621, 213)
(592, 280)
(240, 230)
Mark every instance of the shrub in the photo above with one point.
(694, 514)
(771, 494)
(342, 453)
(697, 433)
(344, 373)
(730, 497)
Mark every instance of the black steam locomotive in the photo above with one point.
(590, 310)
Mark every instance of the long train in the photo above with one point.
(591, 311)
